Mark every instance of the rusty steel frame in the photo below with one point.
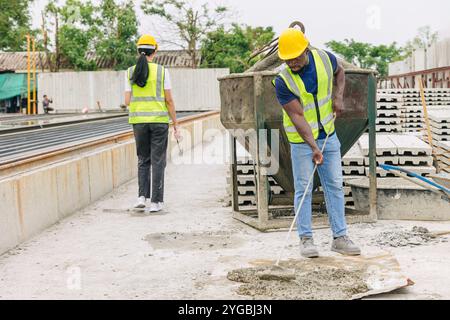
(261, 218)
(439, 76)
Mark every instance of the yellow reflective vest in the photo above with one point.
(313, 106)
(148, 104)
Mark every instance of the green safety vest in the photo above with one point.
(312, 106)
(148, 104)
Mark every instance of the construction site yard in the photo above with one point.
(107, 251)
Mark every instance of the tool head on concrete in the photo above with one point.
(334, 277)
(276, 273)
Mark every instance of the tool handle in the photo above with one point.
(415, 175)
(301, 202)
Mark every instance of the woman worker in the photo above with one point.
(149, 98)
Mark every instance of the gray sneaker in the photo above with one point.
(345, 246)
(307, 248)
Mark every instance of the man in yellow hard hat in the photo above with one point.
(311, 90)
(149, 97)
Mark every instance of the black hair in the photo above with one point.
(141, 71)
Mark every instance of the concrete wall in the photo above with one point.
(193, 89)
(438, 55)
(32, 201)
(197, 89)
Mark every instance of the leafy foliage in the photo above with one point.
(233, 48)
(186, 24)
(366, 55)
(15, 24)
(84, 31)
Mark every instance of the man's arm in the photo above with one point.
(295, 112)
(338, 90)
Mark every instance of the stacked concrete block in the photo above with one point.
(352, 168)
(413, 116)
(440, 131)
(386, 150)
(412, 97)
(246, 178)
(405, 151)
(443, 155)
(389, 113)
(440, 124)
(412, 110)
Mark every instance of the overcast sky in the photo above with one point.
(374, 21)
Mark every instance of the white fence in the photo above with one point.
(192, 89)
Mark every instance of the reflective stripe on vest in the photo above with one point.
(148, 114)
(324, 102)
(148, 104)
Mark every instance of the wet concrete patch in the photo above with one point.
(417, 236)
(210, 240)
(325, 278)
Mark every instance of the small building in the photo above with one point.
(13, 92)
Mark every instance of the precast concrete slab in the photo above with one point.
(388, 121)
(439, 116)
(438, 137)
(440, 132)
(386, 97)
(389, 105)
(389, 128)
(389, 113)
(384, 146)
(410, 145)
(392, 160)
(439, 125)
(353, 170)
(415, 160)
(353, 157)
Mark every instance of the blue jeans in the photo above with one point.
(330, 173)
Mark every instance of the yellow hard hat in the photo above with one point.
(291, 44)
(147, 42)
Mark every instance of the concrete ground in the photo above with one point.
(107, 252)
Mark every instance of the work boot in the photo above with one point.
(345, 246)
(307, 248)
(140, 204)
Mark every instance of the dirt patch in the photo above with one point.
(211, 240)
(417, 236)
(301, 280)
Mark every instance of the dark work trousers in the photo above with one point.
(151, 145)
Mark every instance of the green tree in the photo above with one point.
(83, 31)
(424, 40)
(118, 33)
(187, 24)
(232, 48)
(15, 24)
(77, 33)
(74, 31)
(366, 55)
